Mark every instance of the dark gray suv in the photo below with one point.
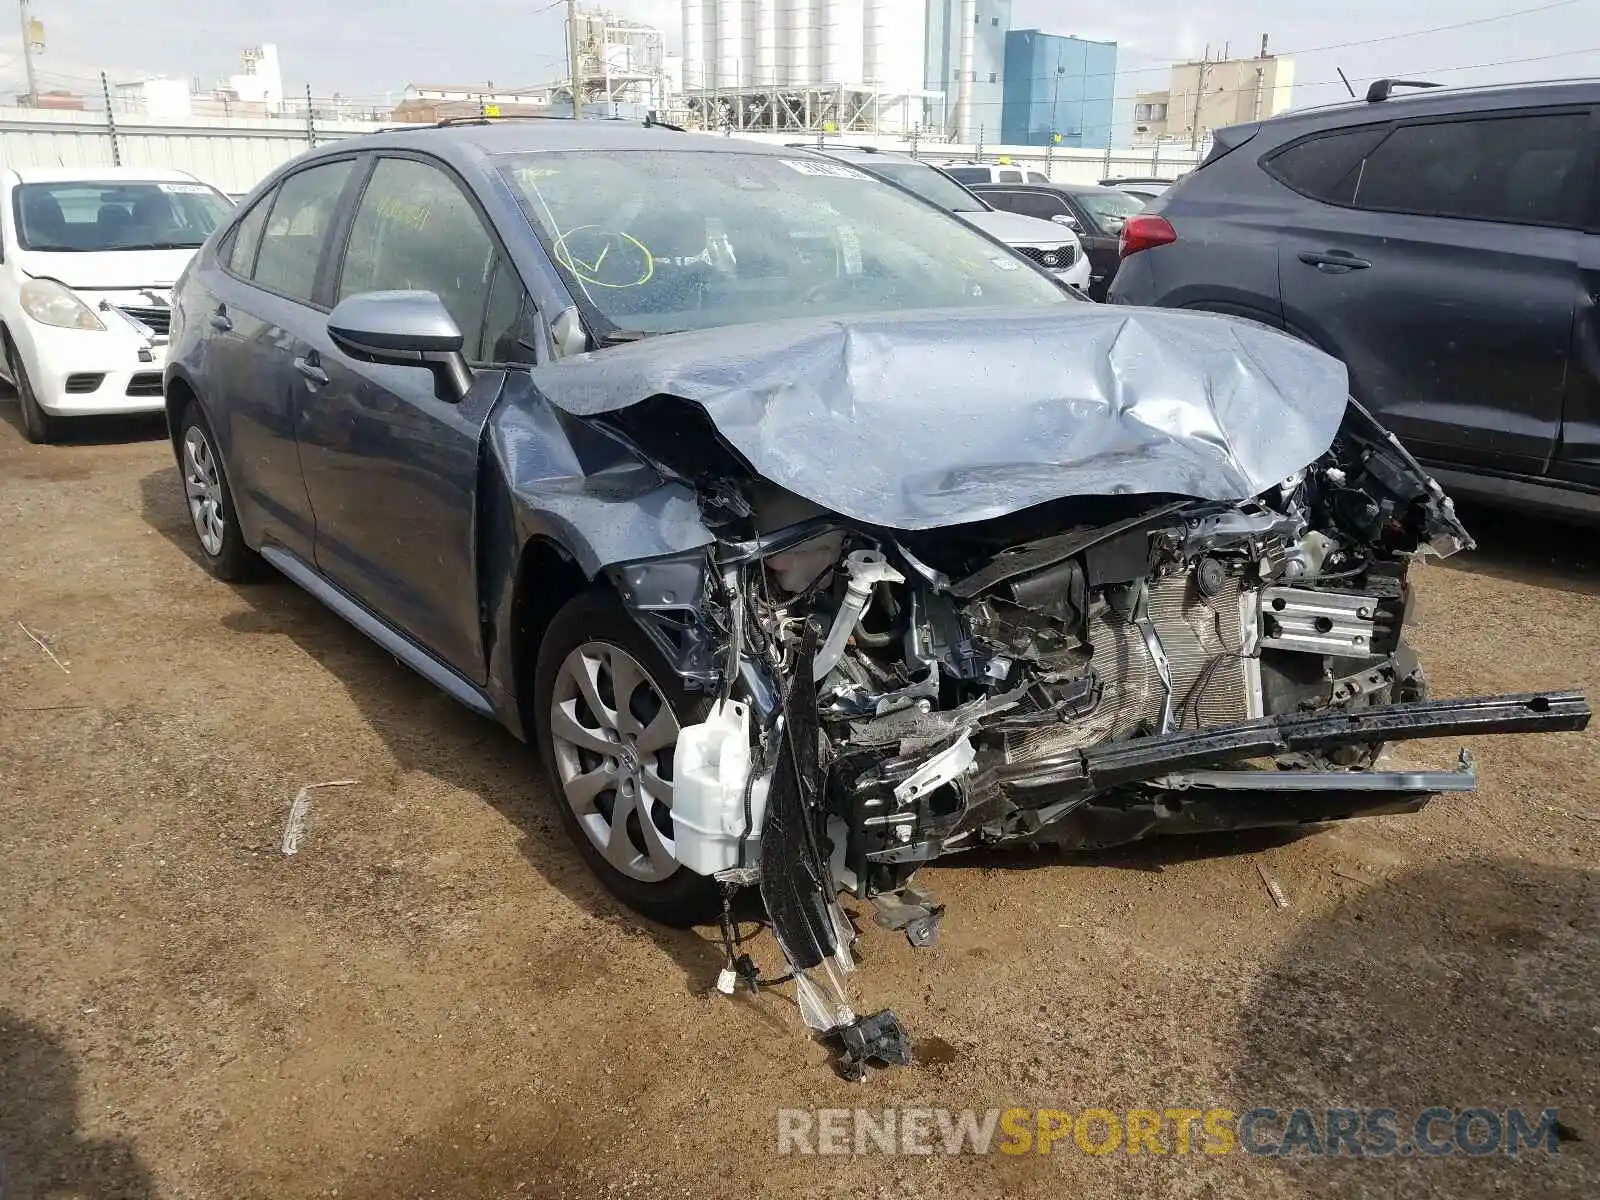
(1442, 243)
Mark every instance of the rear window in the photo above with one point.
(968, 174)
(1326, 167)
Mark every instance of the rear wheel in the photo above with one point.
(210, 502)
(39, 425)
(608, 711)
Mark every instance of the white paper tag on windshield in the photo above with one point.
(831, 169)
(184, 189)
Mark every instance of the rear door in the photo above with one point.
(1579, 456)
(259, 307)
(392, 466)
(1441, 266)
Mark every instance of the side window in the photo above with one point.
(502, 318)
(416, 230)
(1036, 177)
(291, 244)
(968, 174)
(1009, 177)
(1515, 169)
(1030, 204)
(1327, 167)
(246, 238)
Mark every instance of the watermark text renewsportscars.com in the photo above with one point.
(1475, 1131)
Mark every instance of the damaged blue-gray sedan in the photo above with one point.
(809, 533)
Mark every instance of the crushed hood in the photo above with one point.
(919, 420)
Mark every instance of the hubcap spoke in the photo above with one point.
(582, 789)
(626, 679)
(659, 734)
(564, 725)
(619, 848)
(657, 848)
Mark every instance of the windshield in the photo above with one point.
(661, 241)
(932, 184)
(1109, 205)
(87, 216)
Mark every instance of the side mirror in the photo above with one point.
(406, 329)
(1067, 219)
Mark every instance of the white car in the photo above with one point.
(1054, 246)
(968, 173)
(88, 257)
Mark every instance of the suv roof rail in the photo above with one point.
(835, 146)
(1382, 89)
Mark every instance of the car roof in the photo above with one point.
(1439, 101)
(100, 175)
(531, 136)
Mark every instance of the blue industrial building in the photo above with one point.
(1057, 86)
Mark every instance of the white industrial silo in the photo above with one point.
(894, 36)
(762, 18)
(797, 42)
(694, 43)
(731, 70)
(842, 43)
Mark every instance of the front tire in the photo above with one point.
(209, 501)
(39, 426)
(608, 709)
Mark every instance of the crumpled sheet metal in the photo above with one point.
(920, 420)
(624, 513)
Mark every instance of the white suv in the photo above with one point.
(967, 173)
(88, 257)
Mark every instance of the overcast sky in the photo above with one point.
(367, 48)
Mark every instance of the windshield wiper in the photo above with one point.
(618, 337)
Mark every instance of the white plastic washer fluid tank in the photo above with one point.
(712, 763)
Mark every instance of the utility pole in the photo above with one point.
(1199, 95)
(572, 59)
(27, 56)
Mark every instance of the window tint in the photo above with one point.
(292, 243)
(1517, 169)
(416, 229)
(1327, 167)
(1030, 204)
(1009, 177)
(968, 174)
(247, 236)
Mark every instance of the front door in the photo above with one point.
(1446, 280)
(391, 464)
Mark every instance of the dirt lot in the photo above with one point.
(433, 998)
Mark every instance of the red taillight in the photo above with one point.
(1143, 231)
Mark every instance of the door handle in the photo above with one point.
(1333, 262)
(220, 320)
(310, 370)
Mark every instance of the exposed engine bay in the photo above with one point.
(1160, 666)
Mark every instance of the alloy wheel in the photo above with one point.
(202, 484)
(613, 734)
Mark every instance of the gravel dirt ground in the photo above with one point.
(434, 998)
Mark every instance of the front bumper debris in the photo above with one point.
(1107, 766)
